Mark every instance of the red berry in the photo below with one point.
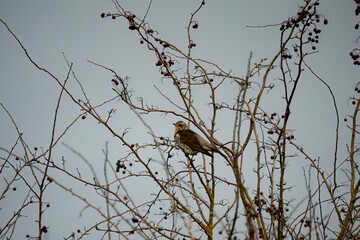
(14, 188)
(113, 16)
(132, 27)
(78, 231)
(27, 235)
(35, 148)
(220, 232)
(325, 21)
(158, 63)
(141, 41)
(345, 119)
(195, 25)
(313, 48)
(125, 198)
(353, 102)
(156, 173)
(17, 158)
(48, 205)
(83, 117)
(132, 145)
(102, 15)
(357, 26)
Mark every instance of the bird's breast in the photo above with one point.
(177, 137)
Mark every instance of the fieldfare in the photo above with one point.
(191, 142)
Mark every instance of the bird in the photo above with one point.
(191, 142)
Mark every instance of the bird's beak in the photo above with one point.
(174, 124)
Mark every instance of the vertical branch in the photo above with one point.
(106, 193)
(42, 185)
(354, 188)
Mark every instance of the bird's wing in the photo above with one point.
(188, 137)
(195, 141)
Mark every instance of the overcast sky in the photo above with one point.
(50, 28)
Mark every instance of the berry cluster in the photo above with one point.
(44, 229)
(128, 15)
(131, 17)
(192, 44)
(305, 18)
(355, 53)
(274, 119)
(134, 220)
(163, 63)
(120, 164)
(115, 81)
(357, 10)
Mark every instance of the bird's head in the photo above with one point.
(180, 125)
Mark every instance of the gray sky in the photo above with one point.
(49, 28)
